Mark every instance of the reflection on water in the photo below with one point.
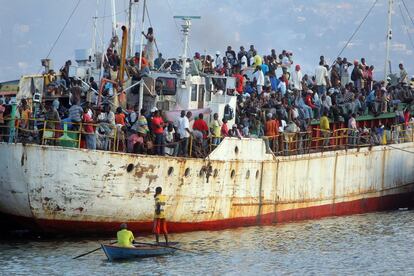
(370, 244)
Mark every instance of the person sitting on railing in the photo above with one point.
(235, 132)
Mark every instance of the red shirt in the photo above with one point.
(308, 101)
(239, 83)
(157, 125)
(201, 125)
(88, 127)
(272, 128)
(120, 119)
(224, 130)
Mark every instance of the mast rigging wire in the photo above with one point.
(63, 29)
(408, 12)
(406, 27)
(356, 31)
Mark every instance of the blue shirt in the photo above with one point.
(265, 69)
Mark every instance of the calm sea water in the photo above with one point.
(377, 243)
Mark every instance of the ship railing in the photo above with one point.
(62, 133)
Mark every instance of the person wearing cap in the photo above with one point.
(218, 61)
(124, 237)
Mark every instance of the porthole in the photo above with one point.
(257, 174)
(202, 171)
(248, 174)
(233, 173)
(187, 172)
(170, 171)
(130, 167)
(215, 174)
(236, 150)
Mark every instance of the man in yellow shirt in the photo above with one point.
(215, 129)
(124, 236)
(325, 129)
(160, 225)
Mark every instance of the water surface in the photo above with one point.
(377, 243)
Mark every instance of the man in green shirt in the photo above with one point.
(215, 129)
(124, 236)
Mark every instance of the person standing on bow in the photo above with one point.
(149, 47)
(160, 225)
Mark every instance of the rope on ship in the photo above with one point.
(405, 24)
(401, 149)
(356, 31)
(63, 29)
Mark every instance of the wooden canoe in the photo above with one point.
(114, 252)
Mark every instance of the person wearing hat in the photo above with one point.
(218, 61)
(124, 237)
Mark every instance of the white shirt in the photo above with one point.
(243, 64)
(327, 102)
(321, 74)
(297, 79)
(218, 62)
(183, 124)
(259, 77)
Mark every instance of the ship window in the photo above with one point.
(203, 91)
(236, 150)
(248, 174)
(215, 174)
(187, 172)
(257, 174)
(233, 173)
(170, 171)
(194, 93)
(202, 171)
(130, 167)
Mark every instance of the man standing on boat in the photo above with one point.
(160, 225)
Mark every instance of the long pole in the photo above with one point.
(141, 88)
(113, 18)
(389, 37)
(95, 19)
(130, 46)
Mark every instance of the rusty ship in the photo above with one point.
(240, 183)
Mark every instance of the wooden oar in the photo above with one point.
(166, 246)
(87, 253)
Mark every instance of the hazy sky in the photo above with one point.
(309, 28)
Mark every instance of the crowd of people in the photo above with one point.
(273, 96)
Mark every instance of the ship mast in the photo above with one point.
(388, 41)
(113, 18)
(186, 31)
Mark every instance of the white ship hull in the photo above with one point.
(79, 191)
